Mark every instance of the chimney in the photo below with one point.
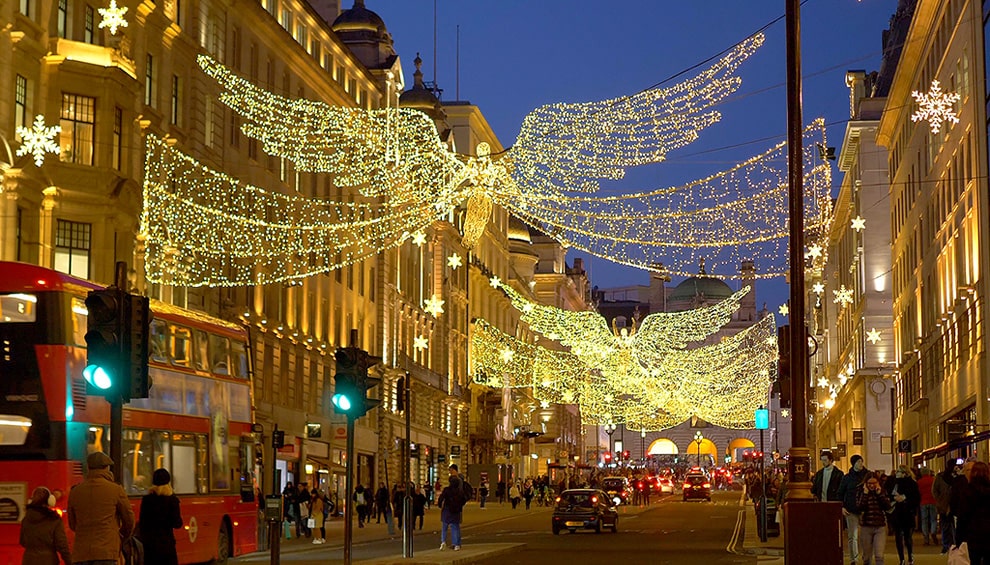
(856, 81)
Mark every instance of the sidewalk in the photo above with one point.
(773, 549)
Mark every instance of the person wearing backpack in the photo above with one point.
(451, 503)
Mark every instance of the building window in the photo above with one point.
(286, 19)
(25, 7)
(78, 121)
(302, 35)
(208, 129)
(235, 131)
(270, 6)
(88, 29)
(176, 102)
(63, 17)
(20, 102)
(118, 136)
(252, 149)
(149, 81)
(72, 244)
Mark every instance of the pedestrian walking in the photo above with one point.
(160, 515)
(451, 503)
(905, 497)
(398, 503)
(42, 533)
(942, 491)
(973, 526)
(825, 484)
(500, 492)
(483, 493)
(99, 513)
(528, 492)
(381, 503)
(361, 504)
(317, 509)
(418, 506)
(929, 512)
(849, 488)
(873, 505)
(514, 495)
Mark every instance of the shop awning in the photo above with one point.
(947, 446)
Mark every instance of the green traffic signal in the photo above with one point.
(342, 402)
(96, 376)
(104, 340)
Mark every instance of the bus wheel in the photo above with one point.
(223, 544)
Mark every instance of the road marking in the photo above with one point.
(736, 532)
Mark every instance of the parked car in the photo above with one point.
(585, 509)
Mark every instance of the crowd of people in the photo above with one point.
(949, 508)
(100, 514)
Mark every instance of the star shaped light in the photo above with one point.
(567, 396)
(935, 106)
(784, 310)
(113, 17)
(544, 404)
(420, 343)
(843, 296)
(814, 252)
(858, 223)
(454, 261)
(873, 336)
(818, 288)
(38, 140)
(434, 306)
(419, 238)
(785, 413)
(494, 281)
(822, 382)
(507, 355)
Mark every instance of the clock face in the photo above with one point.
(878, 386)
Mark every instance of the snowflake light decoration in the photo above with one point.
(434, 306)
(784, 309)
(814, 252)
(495, 282)
(818, 288)
(454, 261)
(420, 343)
(822, 382)
(858, 223)
(419, 238)
(935, 106)
(843, 296)
(873, 336)
(113, 17)
(39, 140)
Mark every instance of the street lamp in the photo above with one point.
(698, 438)
(642, 443)
(610, 429)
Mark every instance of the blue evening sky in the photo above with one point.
(516, 55)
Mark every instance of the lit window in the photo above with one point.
(72, 247)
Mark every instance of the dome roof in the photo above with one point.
(419, 97)
(518, 230)
(358, 18)
(701, 285)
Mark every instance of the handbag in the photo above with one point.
(311, 523)
(958, 555)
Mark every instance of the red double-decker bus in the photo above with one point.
(196, 422)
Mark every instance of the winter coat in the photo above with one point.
(451, 502)
(904, 511)
(514, 491)
(973, 526)
(851, 485)
(160, 515)
(831, 489)
(419, 504)
(43, 537)
(925, 484)
(316, 511)
(100, 515)
(872, 508)
(942, 491)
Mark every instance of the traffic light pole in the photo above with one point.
(116, 400)
(349, 492)
(407, 513)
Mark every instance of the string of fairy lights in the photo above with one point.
(651, 377)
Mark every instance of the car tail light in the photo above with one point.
(687, 485)
(594, 499)
(557, 500)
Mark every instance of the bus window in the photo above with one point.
(219, 351)
(14, 430)
(239, 358)
(137, 459)
(80, 315)
(96, 440)
(159, 341)
(181, 346)
(202, 352)
(15, 308)
(163, 451)
(184, 463)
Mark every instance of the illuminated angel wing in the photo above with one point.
(581, 331)
(373, 150)
(663, 332)
(568, 147)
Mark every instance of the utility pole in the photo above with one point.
(407, 514)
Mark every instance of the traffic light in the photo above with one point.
(625, 455)
(351, 382)
(137, 324)
(608, 457)
(104, 370)
(783, 384)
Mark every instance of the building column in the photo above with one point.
(8, 221)
(46, 235)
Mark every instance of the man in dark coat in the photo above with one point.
(852, 483)
(451, 503)
(99, 513)
(825, 484)
(160, 515)
(906, 498)
(381, 503)
(42, 533)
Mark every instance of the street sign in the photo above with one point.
(904, 446)
(762, 419)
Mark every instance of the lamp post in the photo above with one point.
(642, 444)
(698, 439)
(610, 429)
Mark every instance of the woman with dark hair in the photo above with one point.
(160, 515)
(904, 495)
(42, 532)
(973, 526)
